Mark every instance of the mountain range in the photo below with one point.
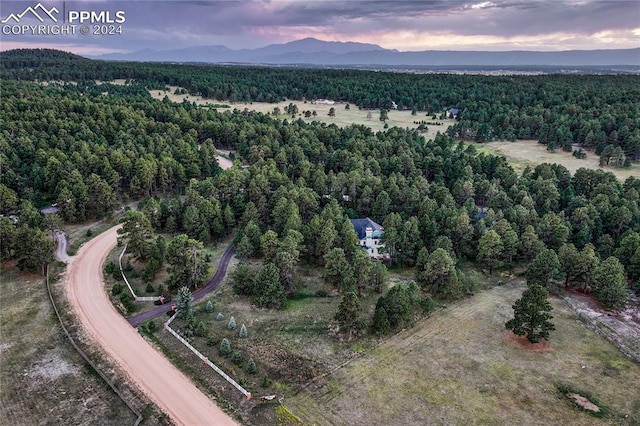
(310, 51)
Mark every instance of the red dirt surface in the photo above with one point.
(522, 342)
(160, 380)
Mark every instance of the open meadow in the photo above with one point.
(530, 153)
(342, 118)
(461, 366)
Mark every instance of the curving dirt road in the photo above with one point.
(162, 382)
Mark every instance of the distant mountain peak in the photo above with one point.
(312, 51)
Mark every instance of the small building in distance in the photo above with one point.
(453, 113)
(369, 234)
(324, 102)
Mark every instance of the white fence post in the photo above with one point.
(135, 297)
(205, 359)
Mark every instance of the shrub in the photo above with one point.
(151, 326)
(243, 331)
(150, 288)
(110, 268)
(427, 304)
(200, 330)
(220, 316)
(212, 341)
(127, 302)
(237, 358)
(265, 381)
(89, 233)
(116, 289)
(225, 347)
(251, 367)
(232, 323)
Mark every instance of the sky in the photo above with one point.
(494, 25)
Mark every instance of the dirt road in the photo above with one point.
(224, 163)
(151, 371)
(61, 249)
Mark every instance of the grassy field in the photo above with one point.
(342, 118)
(530, 153)
(42, 379)
(461, 367)
(520, 154)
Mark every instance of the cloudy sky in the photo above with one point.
(404, 25)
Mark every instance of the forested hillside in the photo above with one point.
(88, 147)
(596, 112)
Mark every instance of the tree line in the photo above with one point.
(596, 112)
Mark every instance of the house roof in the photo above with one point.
(361, 226)
(51, 209)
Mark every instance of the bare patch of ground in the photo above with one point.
(584, 402)
(51, 366)
(522, 342)
(524, 153)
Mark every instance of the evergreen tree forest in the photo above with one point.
(295, 185)
(594, 112)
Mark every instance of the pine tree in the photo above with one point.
(609, 284)
(209, 307)
(243, 331)
(252, 368)
(348, 311)
(543, 268)
(225, 347)
(220, 316)
(381, 321)
(271, 293)
(490, 250)
(184, 302)
(232, 323)
(531, 315)
(245, 249)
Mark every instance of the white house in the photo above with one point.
(369, 234)
(325, 102)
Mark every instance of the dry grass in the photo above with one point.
(530, 153)
(461, 366)
(342, 118)
(42, 379)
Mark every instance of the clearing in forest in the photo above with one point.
(530, 153)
